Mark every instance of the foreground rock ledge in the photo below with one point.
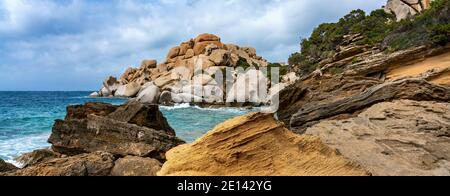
(398, 138)
(256, 145)
(93, 164)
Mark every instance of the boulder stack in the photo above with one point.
(203, 58)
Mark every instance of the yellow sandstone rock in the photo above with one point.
(256, 145)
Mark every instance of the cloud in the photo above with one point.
(85, 40)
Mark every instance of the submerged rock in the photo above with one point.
(396, 138)
(256, 145)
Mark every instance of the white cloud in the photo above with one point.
(97, 38)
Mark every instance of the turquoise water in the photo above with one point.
(26, 118)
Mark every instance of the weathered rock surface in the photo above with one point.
(256, 145)
(6, 167)
(128, 90)
(149, 94)
(132, 129)
(144, 115)
(99, 139)
(93, 164)
(82, 111)
(396, 138)
(414, 89)
(321, 89)
(435, 69)
(136, 166)
(109, 88)
(404, 9)
(37, 156)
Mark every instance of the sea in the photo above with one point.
(26, 118)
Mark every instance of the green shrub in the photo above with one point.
(377, 28)
(326, 37)
(295, 59)
(430, 27)
(440, 33)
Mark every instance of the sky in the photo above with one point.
(67, 45)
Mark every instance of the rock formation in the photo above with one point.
(196, 64)
(361, 80)
(364, 111)
(382, 109)
(132, 129)
(99, 139)
(37, 156)
(412, 89)
(6, 167)
(404, 9)
(256, 145)
(396, 138)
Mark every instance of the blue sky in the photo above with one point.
(75, 44)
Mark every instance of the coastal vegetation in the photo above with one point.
(378, 29)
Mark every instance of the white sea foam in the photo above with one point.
(213, 109)
(177, 106)
(227, 109)
(11, 148)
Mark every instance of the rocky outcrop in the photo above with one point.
(404, 9)
(256, 145)
(95, 108)
(204, 58)
(127, 90)
(413, 89)
(131, 129)
(6, 167)
(435, 69)
(369, 71)
(396, 138)
(136, 166)
(110, 86)
(93, 164)
(99, 139)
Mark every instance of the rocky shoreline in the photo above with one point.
(203, 71)
(364, 111)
